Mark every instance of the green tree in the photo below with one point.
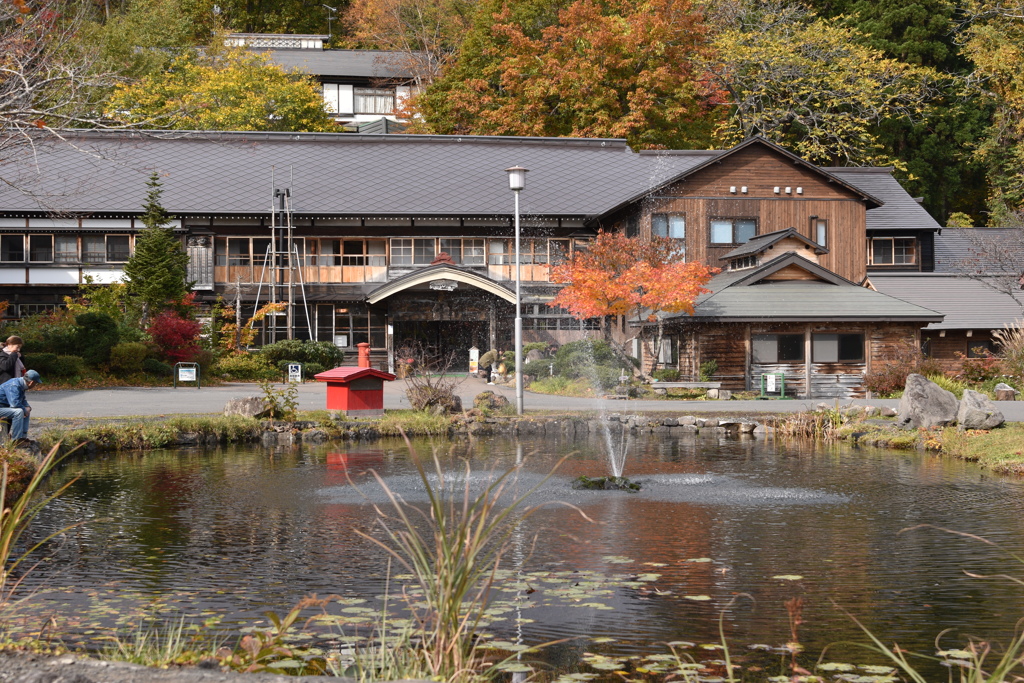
(156, 272)
(222, 89)
(588, 68)
(812, 85)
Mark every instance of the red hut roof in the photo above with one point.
(352, 373)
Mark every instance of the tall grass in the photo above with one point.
(453, 560)
(175, 643)
(17, 517)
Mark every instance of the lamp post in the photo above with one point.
(516, 181)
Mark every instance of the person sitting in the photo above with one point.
(14, 405)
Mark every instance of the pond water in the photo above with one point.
(733, 527)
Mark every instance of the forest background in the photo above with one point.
(931, 87)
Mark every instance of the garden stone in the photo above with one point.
(747, 427)
(762, 430)
(926, 404)
(688, 420)
(685, 429)
(313, 436)
(977, 411)
(724, 395)
(251, 406)
(1004, 392)
(670, 421)
(661, 392)
(709, 422)
(887, 411)
(713, 393)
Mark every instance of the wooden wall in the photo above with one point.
(706, 195)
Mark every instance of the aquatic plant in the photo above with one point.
(174, 643)
(454, 561)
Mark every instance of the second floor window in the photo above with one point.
(732, 230)
(374, 100)
(892, 251)
(668, 225)
(412, 252)
(469, 252)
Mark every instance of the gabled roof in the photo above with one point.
(973, 249)
(760, 243)
(345, 375)
(898, 210)
(441, 272)
(748, 296)
(966, 304)
(704, 160)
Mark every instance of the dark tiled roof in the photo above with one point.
(743, 296)
(761, 242)
(899, 212)
(341, 63)
(331, 173)
(993, 249)
(967, 304)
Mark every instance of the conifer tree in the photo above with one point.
(156, 272)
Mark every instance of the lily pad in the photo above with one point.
(788, 577)
(698, 598)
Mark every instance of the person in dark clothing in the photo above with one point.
(11, 363)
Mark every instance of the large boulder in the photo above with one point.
(925, 404)
(251, 406)
(488, 401)
(1004, 392)
(977, 411)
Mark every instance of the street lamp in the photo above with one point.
(516, 181)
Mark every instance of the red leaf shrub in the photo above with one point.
(177, 337)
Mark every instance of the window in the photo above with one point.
(777, 348)
(12, 248)
(532, 252)
(261, 251)
(892, 251)
(498, 253)
(744, 262)
(93, 249)
(65, 249)
(355, 252)
(820, 227)
(423, 251)
(668, 225)
(632, 227)
(559, 251)
(332, 98)
(238, 251)
(40, 248)
(732, 230)
(374, 100)
(401, 252)
(837, 348)
(469, 252)
(118, 248)
(980, 348)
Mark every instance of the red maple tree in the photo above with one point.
(635, 277)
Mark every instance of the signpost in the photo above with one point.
(186, 372)
(294, 373)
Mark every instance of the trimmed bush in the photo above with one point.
(43, 363)
(666, 375)
(245, 366)
(68, 366)
(96, 335)
(153, 366)
(128, 357)
(539, 368)
(325, 354)
(310, 370)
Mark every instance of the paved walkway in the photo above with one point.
(99, 403)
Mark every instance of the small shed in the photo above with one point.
(356, 391)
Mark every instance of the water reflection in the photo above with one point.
(235, 533)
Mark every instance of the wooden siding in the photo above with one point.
(944, 350)
(792, 273)
(707, 195)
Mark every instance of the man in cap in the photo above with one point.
(14, 406)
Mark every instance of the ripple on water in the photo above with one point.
(705, 489)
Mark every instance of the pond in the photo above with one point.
(738, 528)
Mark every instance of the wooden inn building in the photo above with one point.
(401, 238)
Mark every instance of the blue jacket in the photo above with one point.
(12, 393)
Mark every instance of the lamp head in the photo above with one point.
(516, 178)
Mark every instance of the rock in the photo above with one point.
(713, 393)
(686, 429)
(977, 411)
(488, 401)
(761, 429)
(687, 420)
(252, 406)
(724, 395)
(709, 422)
(313, 436)
(925, 404)
(660, 392)
(670, 421)
(823, 407)
(747, 427)
(887, 411)
(1004, 392)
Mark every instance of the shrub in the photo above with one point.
(708, 369)
(591, 359)
(43, 363)
(666, 375)
(128, 357)
(177, 337)
(538, 368)
(154, 367)
(68, 366)
(1011, 347)
(310, 370)
(303, 351)
(950, 384)
(975, 370)
(96, 334)
(245, 366)
(891, 376)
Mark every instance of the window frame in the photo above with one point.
(892, 239)
(111, 253)
(819, 231)
(66, 256)
(7, 239)
(379, 96)
(793, 341)
(734, 221)
(680, 219)
(842, 341)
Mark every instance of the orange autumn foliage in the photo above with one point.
(621, 275)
